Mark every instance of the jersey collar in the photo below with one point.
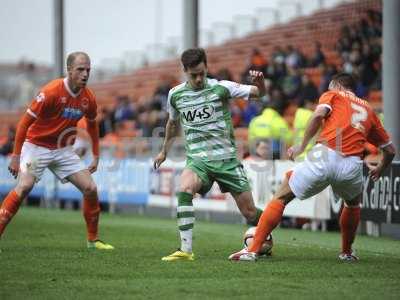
(69, 90)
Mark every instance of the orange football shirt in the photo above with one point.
(57, 111)
(350, 123)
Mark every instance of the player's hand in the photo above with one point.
(375, 171)
(13, 167)
(160, 158)
(93, 166)
(256, 77)
(294, 151)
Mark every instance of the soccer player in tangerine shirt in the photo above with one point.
(42, 142)
(347, 123)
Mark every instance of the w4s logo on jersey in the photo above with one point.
(198, 115)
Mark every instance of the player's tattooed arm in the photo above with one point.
(258, 89)
(171, 131)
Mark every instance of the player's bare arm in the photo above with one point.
(375, 171)
(258, 89)
(313, 127)
(23, 126)
(171, 130)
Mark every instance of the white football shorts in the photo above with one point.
(62, 162)
(323, 167)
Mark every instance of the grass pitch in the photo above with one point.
(44, 257)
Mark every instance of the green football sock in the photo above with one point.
(185, 216)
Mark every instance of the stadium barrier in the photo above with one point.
(132, 181)
(118, 181)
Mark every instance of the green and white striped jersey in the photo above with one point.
(205, 117)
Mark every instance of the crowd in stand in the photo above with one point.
(287, 81)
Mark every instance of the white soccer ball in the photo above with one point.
(266, 248)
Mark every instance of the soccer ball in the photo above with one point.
(266, 248)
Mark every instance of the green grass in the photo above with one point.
(44, 256)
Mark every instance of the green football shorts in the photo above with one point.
(228, 173)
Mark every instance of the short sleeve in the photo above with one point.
(236, 90)
(39, 104)
(173, 113)
(378, 136)
(326, 100)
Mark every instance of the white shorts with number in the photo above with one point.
(323, 167)
(62, 162)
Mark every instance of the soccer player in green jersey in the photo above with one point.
(201, 106)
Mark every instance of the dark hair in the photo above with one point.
(192, 57)
(345, 80)
(72, 56)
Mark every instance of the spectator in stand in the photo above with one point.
(301, 120)
(368, 72)
(278, 55)
(258, 61)
(308, 91)
(343, 45)
(272, 126)
(276, 71)
(291, 84)
(224, 74)
(161, 92)
(124, 110)
(360, 47)
(249, 112)
(144, 122)
(106, 119)
(361, 90)
(294, 58)
(278, 100)
(327, 72)
(318, 56)
(236, 114)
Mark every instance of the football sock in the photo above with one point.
(270, 218)
(91, 212)
(349, 220)
(8, 209)
(185, 215)
(254, 221)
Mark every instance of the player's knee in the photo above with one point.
(23, 188)
(187, 189)
(249, 212)
(90, 189)
(353, 202)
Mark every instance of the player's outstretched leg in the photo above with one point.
(270, 218)
(245, 203)
(185, 216)
(91, 208)
(13, 200)
(349, 220)
(8, 209)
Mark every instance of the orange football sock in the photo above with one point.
(349, 220)
(269, 219)
(8, 209)
(91, 212)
